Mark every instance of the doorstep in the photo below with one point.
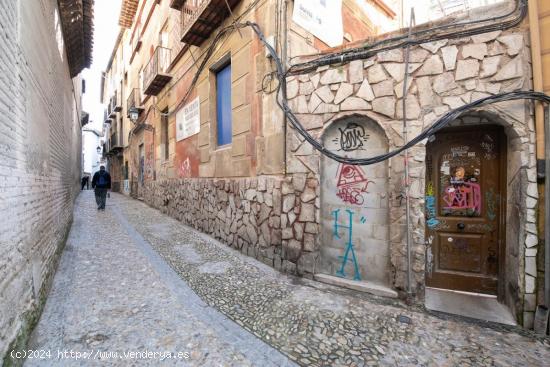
(475, 305)
(361, 286)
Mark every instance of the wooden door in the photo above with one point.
(464, 209)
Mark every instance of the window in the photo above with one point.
(126, 170)
(223, 105)
(164, 133)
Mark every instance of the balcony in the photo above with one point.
(176, 4)
(134, 100)
(136, 41)
(116, 144)
(106, 118)
(115, 102)
(199, 18)
(155, 74)
(110, 113)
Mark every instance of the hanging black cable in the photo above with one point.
(422, 36)
(454, 30)
(436, 126)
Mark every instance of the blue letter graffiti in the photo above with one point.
(349, 247)
(432, 222)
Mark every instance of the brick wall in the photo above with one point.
(40, 159)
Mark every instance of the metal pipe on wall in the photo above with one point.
(537, 75)
(542, 135)
(547, 209)
(406, 139)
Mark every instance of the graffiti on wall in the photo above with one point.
(429, 255)
(488, 146)
(352, 183)
(490, 200)
(431, 221)
(349, 254)
(185, 168)
(352, 137)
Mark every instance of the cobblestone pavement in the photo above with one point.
(113, 295)
(320, 325)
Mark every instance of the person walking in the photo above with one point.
(101, 183)
(84, 182)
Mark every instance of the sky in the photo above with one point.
(106, 31)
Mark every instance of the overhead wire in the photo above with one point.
(418, 37)
(365, 52)
(443, 121)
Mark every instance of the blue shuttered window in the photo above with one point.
(223, 105)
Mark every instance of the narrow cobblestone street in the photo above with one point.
(114, 293)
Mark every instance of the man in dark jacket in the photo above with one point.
(101, 183)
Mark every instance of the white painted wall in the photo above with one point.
(91, 159)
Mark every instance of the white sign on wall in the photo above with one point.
(188, 120)
(323, 18)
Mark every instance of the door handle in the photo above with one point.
(461, 226)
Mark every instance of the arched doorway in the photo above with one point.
(354, 203)
(465, 184)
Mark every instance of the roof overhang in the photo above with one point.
(128, 10)
(77, 18)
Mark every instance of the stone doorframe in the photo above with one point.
(517, 120)
(519, 278)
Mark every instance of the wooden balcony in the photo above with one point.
(199, 18)
(134, 101)
(155, 74)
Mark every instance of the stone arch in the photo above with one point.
(521, 196)
(354, 202)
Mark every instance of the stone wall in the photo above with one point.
(443, 75)
(271, 218)
(40, 165)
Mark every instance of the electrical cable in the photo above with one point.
(208, 52)
(443, 121)
(363, 52)
(366, 52)
(417, 37)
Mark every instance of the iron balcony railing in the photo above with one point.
(117, 101)
(110, 109)
(134, 101)
(112, 112)
(155, 74)
(106, 118)
(115, 141)
(190, 13)
(176, 4)
(199, 18)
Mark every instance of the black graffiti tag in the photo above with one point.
(352, 137)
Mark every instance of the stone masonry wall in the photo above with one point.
(443, 75)
(40, 158)
(271, 218)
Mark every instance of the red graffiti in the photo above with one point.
(466, 195)
(351, 184)
(185, 168)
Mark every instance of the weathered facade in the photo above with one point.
(151, 50)
(473, 201)
(41, 151)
